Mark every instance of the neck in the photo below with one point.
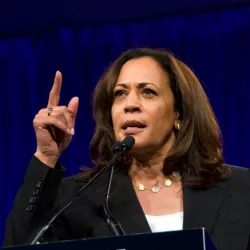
(148, 172)
(148, 169)
(147, 163)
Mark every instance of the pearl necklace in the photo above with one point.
(156, 189)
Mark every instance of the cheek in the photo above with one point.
(164, 114)
(116, 119)
(156, 111)
(115, 116)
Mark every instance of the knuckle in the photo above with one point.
(36, 122)
(42, 111)
(55, 120)
(36, 116)
(73, 115)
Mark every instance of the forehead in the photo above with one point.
(144, 69)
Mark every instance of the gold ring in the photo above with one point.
(50, 111)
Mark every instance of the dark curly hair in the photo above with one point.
(197, 150)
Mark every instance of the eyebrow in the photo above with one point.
(140, 85)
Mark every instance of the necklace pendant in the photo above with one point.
(168, 183)
(155, 189)
(141, 187)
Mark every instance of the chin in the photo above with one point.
(140, 144)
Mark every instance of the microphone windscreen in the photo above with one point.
(128, 143)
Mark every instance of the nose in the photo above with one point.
(132, 103)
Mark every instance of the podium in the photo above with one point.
(191, 239)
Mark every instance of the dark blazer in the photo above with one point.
(224, 210)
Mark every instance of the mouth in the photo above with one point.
(132, 127)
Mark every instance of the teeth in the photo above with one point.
(131, 127)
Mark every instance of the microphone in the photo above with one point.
(114, 224)
(127, 144)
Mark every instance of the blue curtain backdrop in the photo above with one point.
(215, 45)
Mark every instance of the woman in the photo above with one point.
(175, 168)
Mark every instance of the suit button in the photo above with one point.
(32, 200)
(36, 191)
(39, 184)
(29, 208)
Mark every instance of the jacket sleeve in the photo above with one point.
(35, 204)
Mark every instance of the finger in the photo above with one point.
(62, 113)
(54, 95)
(69, 121)
(46, 122)
(73, 108)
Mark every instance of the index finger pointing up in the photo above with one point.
(54, 95)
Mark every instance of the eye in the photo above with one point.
(119, 93)
(148, 91)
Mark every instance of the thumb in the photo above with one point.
(73, 107)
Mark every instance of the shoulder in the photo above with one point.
(237, 171)
(71, 185)
(239, 178)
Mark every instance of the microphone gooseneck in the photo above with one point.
(114, 225)
(118, 148)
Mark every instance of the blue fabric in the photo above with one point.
(215, 45)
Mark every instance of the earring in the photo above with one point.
(177, 125)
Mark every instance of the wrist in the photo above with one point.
(49, 161)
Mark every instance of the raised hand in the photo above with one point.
(54, 125)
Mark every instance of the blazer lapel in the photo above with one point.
(125, 206)
(201, 206)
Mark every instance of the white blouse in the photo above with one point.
(170, 222)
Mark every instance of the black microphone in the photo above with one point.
(127, 144)
(113, 223)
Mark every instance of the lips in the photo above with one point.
(133, 123)
(132, 127)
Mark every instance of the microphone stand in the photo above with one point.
(80, 192)
(126, 145)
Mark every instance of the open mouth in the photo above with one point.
(132, 127)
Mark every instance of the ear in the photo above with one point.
(177, 115)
